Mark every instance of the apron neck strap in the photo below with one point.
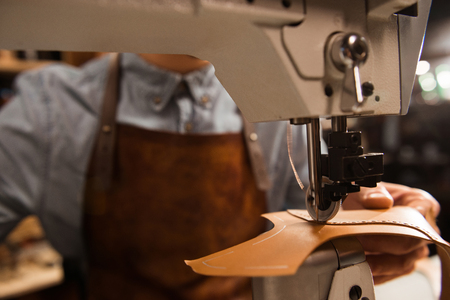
(105, 144)
(104, 148)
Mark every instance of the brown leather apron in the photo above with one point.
(172, 197)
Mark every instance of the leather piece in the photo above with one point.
(294, 237)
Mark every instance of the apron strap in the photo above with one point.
(255, 153)
(104, 149)
(103, 156)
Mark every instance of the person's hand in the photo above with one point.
(391, 256)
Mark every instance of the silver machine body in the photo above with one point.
(337, 270)
(297, 60)
(271, 58)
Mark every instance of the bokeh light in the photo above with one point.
(427, 82)
(443, 76)
(422, 67)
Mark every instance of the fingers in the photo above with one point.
(417, 198)
(383, 279)
(395, 245)
(388, 266)
(369, 198)
(386, 195)
(392, 256)
(376, 198)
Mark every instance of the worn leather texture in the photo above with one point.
(295, 236)
(172, 196)
(103, 152)
(153, 198)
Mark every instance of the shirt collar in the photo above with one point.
(203, 85)
(159, 85)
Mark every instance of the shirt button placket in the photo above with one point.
(205, 100)
(188, 126)
(157, 100)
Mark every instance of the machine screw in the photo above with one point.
(355, 139)
(355, 292)
(328, 90)
(367, 88)
(286, 3)
(354, 49)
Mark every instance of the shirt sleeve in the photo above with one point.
(23, 152)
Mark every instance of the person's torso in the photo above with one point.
(173, 197)
(169, 197)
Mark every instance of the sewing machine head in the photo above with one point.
(292, 60)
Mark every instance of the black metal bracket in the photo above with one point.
(347, 167)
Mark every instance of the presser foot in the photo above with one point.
(323, 212)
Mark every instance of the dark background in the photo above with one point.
(417, 145)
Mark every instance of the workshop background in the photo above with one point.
(28, 263)
(416, 147)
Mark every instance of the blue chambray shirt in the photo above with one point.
(47, 133)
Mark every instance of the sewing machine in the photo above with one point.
(294, 60)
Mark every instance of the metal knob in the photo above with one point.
(348, 52)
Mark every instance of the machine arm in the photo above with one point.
(322, 58)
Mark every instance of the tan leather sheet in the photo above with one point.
(294, 237)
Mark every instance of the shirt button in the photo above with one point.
(188, 127)
(205, 99)
(253, 137)
(106, 129)
(157, 100)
